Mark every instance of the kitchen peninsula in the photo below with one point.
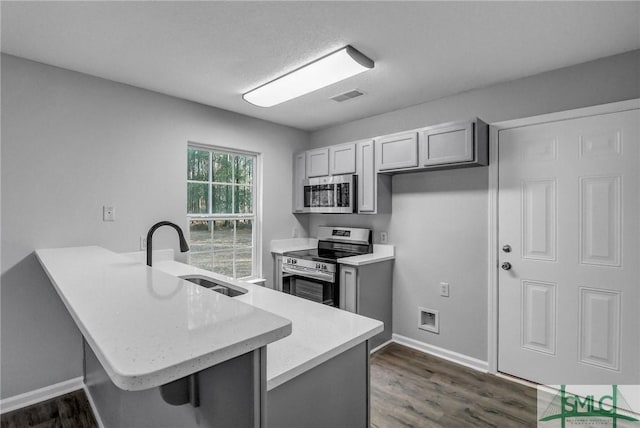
(254, 360)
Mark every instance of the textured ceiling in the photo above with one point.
(212, 52)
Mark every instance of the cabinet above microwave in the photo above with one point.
(446, 146)
(371, 191)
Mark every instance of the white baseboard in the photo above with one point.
(32, 397)
(379, 347)
(455, 357)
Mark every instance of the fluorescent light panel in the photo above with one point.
(332, 68)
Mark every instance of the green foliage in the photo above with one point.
(231, 184)
(221, 183)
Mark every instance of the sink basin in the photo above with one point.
(210, 283)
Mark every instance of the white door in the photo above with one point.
(568, 207)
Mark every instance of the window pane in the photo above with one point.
(221, 198)
(197, 198)
(222, 171)
(202, 260)
(243, 200)
(197, 164)
(244, 233)
(244, 264)
(223, 262)
(244, 169)
(200, 238)
(223, 235)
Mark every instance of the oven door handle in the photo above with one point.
(328, 277)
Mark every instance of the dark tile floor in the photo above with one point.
(67, 411)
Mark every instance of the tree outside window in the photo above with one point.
(221, 211)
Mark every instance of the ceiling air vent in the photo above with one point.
(347, 96)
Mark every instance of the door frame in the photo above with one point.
(492, 200)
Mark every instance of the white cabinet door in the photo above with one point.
(349, 288)
(318, 162)
(449, 144)
(569, 208)
(299, 175)
(366, 170)
(342, 159)
(397, 151)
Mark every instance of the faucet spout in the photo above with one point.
(184, 247)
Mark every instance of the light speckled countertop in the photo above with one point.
(279, 246)
(148, 327)
(381, 252)
(319, 333)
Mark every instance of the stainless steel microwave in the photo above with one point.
(330, 195)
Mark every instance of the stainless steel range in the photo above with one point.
(313, 274)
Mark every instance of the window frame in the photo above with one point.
(255, 217)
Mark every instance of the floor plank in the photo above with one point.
(67, 411)
(413, 389)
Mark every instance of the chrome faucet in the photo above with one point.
(184, 247)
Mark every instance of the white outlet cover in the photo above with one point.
(108, 213)
(444, 289)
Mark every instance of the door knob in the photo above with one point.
(506, 266)
(506, 248)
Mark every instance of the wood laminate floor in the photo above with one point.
(413, 389)
(408, 389)
(67, 411)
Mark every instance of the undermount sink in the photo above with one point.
(210, 283)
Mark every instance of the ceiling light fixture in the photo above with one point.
(329, 69)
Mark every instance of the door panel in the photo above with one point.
(568, 206)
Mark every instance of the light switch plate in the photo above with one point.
(444, 289)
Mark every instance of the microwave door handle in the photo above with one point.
(309, 274)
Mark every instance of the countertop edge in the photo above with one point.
(290, 373)
(155, 378)
(282, 378)
(348, 262)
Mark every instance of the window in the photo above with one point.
(221, 210)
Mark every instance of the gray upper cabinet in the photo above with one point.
(452, 145)
(299, 174)
(397, 151)
(318, 162)
(342, 159)
(447, 144)
(366, 177)
(374, 190)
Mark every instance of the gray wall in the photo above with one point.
(439, 219)
(72, 143)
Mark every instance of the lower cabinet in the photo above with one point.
(332, 394)
(367, 290)
(277, 272)
(230, 394)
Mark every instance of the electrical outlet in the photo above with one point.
(108, 213)
(384, 237)
(294, 232)
(143, 242)
(444, 289)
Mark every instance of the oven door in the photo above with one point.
(317, 288)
